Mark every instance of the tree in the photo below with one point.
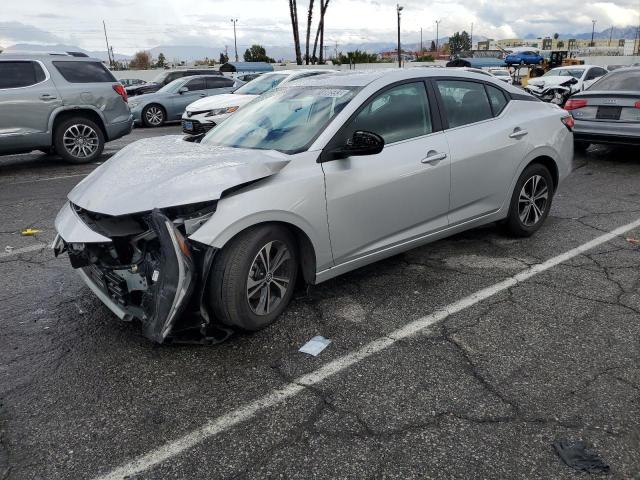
(433, 46)
(141, 61)
(293, 11)
(459, 42)
(320, 31)
(357, 57)
(162, 61)
(309, 18)
(257, 53)
(223, 58)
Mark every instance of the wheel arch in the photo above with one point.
(551, 165)
(87, 112)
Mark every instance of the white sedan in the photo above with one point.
(204, 114)
(586, 75)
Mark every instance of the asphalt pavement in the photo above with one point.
(446, 362)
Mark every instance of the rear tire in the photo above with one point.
(253, 278)
(153, 116)
(530, 201)
(78, 140)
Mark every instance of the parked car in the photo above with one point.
(166, 77)
(502, 74)
(312, 179)
(609, 110)
(584, 74)
(202, 115)
(524, 58)
(168, 103)
(60, 104)
(247, 77)
(130, 82)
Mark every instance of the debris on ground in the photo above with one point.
(576, 455)
(29, 232)
(633, 241)
(8, 249)
(316, 345)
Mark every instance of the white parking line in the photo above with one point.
(18, 251)
(277, 396)
(48, 179)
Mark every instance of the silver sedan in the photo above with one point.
(313, 179)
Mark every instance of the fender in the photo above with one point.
(65, 108)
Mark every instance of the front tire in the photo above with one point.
(253, 278)
(78, 140)
(530, 201)
(153, 116)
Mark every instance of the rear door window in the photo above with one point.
(20, 74)
(464, 102)
(195, 84)
(84, 72)
(396, 114)
(219, 82)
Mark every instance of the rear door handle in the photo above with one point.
(433, 157)
(46, 96)
(517, 133)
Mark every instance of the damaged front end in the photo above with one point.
(141, 265)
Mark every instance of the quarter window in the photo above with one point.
(84, 72)
(464, 102)
(20, 74)
(497, 99)
(396, 114)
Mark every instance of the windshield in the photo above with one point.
(261, 84)
(159, 78)
(619, 81)
(174, 86)
(284, 119)
(564, 72)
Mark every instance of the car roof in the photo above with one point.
(46, 56)
(189, 77)
(363, 78)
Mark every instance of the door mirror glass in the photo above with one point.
(361, 143)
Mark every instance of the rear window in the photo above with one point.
(20, 74)
(84, 72)
(618, 81)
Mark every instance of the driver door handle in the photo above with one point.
(46, 96)
(433, 157)
(518, 132)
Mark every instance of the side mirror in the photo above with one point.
(183, 90)
(361, 143)
(573, 81)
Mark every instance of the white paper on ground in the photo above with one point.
(316, 345)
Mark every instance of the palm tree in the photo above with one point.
(320, 31)
(309, 17)
(293, 10)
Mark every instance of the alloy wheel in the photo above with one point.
(269, 277)
(80, 140)
(533, 199)
(154, 115)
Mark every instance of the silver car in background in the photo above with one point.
(609, 110)
(60, 104)
(311, 180)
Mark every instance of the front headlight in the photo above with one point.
(221, 111)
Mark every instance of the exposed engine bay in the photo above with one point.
(149, 270)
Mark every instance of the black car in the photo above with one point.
(166, 77)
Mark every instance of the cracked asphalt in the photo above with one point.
(482, 394)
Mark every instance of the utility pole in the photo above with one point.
(593, 29)
(235, 42)
(610, 35)
(107, 40)
(437, 32)
(471, 39)
(399, 9)
(421, 50)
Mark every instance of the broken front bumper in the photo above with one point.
(154, 285)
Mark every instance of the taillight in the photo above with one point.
(574, 103)
(637, 104)
(569, 122)
(119, 88)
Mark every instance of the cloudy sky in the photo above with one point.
(136, 24)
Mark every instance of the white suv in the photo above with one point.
(204, 114)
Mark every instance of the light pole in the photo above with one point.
(235, 42)
(398, 10)
(593, 29)
(437, 32)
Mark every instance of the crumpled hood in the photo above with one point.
(166, 171)
(548, 81)
(220, 101)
